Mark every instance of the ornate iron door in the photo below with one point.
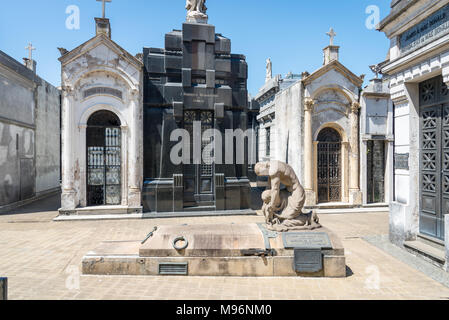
(329, 166)
(434, 157)
(104, 166)
(376, 171)
(199, 178)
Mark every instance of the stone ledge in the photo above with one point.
(134, 216)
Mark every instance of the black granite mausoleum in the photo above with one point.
(195, 78)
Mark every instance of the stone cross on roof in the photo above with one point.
(104, 7)
(30, 49)
(332, 35)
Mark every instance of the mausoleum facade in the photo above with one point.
(314, 122)
(417, 69)
(102, 148)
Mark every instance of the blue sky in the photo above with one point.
(291, 32)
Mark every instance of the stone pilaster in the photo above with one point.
(68, 196)
(134, 167)
(355, 195)
(308, 153)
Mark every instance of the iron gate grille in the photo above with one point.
(104, 166)
(434, 156)
(199, 179)
(329, 166)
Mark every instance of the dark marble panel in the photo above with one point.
(210, 79)
(154, 92)
(173, 93)
(157, 195)
(173, 41)
(198, 32)
(240, 98)
(186, 77)
(156, 63)
(152, 141)
(167, 168)
(173, 62)
(209, 57)
(223, 65)
(222, 45)
(239, 68)
(233, 195)
(224, 95)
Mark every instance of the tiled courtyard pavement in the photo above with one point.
(41, 258)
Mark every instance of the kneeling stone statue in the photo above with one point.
(283, 208)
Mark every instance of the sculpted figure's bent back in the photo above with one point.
(283, 208)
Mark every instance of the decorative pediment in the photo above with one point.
(101, 54)
(99, 41)
(338, 67)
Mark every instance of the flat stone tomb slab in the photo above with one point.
(217, 250)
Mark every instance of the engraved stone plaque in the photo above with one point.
(430, 29)
(306, 240)
(401, 161)
(308, 260)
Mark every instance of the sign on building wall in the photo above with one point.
(401, 161)
(431, 29)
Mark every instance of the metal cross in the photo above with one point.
(30, 49)
(332, 35)
(104, 6)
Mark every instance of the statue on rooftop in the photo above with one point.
(269, 70)
(196, 6)
(196, 11)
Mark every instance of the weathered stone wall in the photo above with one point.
(17, 125)
(17, 101)
(47, 138)
(16, 163)
(289, 126)
(29, 133)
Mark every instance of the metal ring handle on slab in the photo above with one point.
(182, 238)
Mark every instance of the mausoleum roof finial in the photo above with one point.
(332, 36)
(104, 7)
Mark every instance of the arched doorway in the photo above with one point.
(103, 159)
(329, 166)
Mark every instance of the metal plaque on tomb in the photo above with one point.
(308, 260)
(401, 161)
(306, 240)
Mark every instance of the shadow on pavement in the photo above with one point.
(50, 204)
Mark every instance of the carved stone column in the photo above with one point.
(68, 196)
(135, 158)
(355, 195)
(308, 153)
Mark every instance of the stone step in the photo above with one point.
(422, 248)
(436, 243)
(201, 208)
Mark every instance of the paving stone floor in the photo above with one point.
(42, 260)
